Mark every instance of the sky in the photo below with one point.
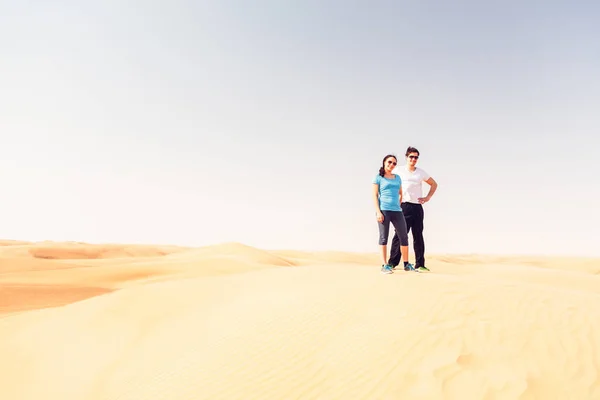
(265, 122)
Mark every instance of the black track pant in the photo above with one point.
(397, 219)
(413, 215)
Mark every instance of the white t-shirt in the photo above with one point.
(412, 183)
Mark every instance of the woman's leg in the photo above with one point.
(400, 227)
(383, 254)
(384, 230)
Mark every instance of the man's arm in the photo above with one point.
(433, 187)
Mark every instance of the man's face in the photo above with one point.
(412, 158)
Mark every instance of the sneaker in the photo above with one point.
(409, 267)
(423, 269)
(386, 269)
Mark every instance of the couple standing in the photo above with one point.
(398, 197)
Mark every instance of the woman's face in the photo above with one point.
(390, 164)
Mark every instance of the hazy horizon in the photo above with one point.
(196, 124)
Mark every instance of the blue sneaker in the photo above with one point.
(386, 269)
(409, 267)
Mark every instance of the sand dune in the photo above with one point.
(74, 251)
(235, 322)
(4, 242)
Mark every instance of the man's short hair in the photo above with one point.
(412, 150)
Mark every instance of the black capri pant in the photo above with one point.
(396, 218)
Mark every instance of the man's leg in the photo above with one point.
(400, 227)
(395, 251)
(417, 228)
(408, 212)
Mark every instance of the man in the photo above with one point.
(412, 207)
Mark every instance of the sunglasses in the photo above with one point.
(392, 162)
(414, 157)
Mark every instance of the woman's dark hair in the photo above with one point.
(382, 169)
(412, 150)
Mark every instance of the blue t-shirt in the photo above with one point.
(389, 198)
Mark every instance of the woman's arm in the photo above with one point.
(400, 193)
(376, 199)
(376, 196)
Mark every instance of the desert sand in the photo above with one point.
(95, 322)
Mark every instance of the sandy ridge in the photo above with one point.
(235, 322)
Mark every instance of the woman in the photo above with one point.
(387, 194)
